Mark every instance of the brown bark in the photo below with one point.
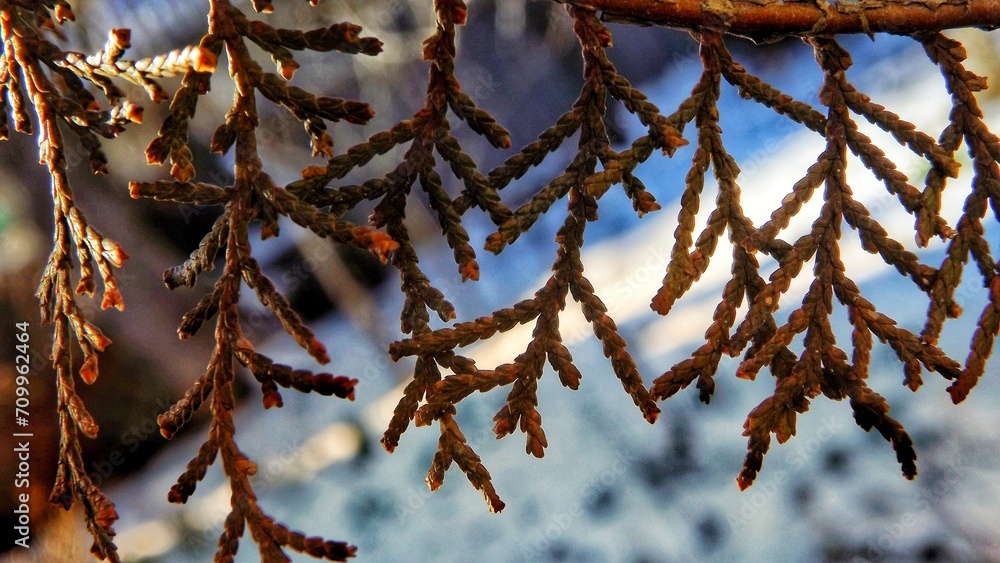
(763, 20)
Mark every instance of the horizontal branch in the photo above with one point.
(770, 19)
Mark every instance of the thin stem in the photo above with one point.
(771, 19)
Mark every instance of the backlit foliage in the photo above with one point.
(44, 90)
(253, 196)
(746, 322)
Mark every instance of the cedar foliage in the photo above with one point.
(51, 92)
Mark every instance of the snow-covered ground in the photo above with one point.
(611, 487)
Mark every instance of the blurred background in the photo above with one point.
(611, 487)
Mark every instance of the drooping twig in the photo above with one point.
(253, 196)
(45, 89)
(581, 184)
